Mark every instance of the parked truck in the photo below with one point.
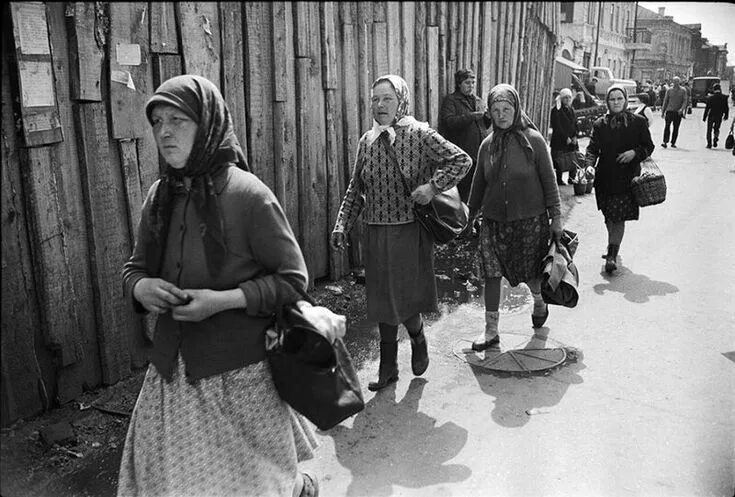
(602, 79)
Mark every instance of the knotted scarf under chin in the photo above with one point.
(619, 120)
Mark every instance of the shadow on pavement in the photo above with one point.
(637, 288)
(517, 398)
(392, 443)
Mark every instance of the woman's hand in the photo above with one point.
(626, 156)
(157, 295)
(556, 229)
(203, 304)
(423, 194)
(338, 241)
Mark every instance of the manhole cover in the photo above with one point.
(517, 354)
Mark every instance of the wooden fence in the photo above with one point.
(78, 156)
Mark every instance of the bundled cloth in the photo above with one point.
(559, 275)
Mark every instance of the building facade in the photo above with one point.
(597, 34)
(707, 59)
(663, 49)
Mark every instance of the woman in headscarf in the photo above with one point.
(398, 252)
(515, 188)
(563, 135)
(213, 250)
(464, 122)
(620, 141)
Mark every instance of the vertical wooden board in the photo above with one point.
(452, 19)
(434, 97)
(442, 48)
(379, 11)
(475, 37)
(164, 32)
(21, 375)
(351, 123)
(329, 46)
(431, 14)
(419, 87)
(233, 54)
(408, 37)
(131, 181)
(68, 180)
(335, 180)
(130, 82)
(364, 60)
(500, 54)
(517, 41)
(104, 197)
(466, 35)
(380, 48)
(200, 39)
(259, 94)
(311, 166)
(486, 79)
(284, 116)
(165, 66)
(85, 52)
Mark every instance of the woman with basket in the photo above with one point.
(620, 142)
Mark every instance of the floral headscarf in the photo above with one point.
(616, 120)
(215, 146)
(499, 138)
(402, 118)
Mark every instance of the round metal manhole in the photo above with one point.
(518, 353)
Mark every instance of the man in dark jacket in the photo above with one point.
(462, 121)
(715, 112)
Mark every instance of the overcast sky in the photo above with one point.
(717, 20)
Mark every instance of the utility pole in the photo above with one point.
(597, 36)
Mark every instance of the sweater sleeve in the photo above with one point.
(274, 247)
(452, 163)
(546, 174)
(354, 199)
(477, 190)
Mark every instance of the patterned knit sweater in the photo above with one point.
(424, 156)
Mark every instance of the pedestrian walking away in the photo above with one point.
(463, 121)
(715, 112)
(212, 248)
(399, 253)
(514, 189)
(564, 136)
(672, 109)
(644, 110)
(620, 141)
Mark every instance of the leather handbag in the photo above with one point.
(312, 369)
(559, 275)
(729, 141)
(445, 217)
(649, 187)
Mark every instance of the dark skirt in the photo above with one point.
(514, 249)
(399, 272)
(618, 208)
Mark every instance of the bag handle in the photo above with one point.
(279, 294)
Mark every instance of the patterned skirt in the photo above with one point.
(514, 249)
(399, 272)
(226, 435)
(618, 208)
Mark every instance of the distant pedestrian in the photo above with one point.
(620, 141)
(715, 112)
(398, 253)
(672, 109)
(688, 110)
(515, 191)
(563, 136)
(644, 110)
(463, 121)
(651, 96)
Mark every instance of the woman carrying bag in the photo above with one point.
(564, 136)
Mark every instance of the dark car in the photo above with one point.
(702, 88)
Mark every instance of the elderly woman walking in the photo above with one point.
(515, 188)
(564, 135)
(398, 253)
(213, 249)
(620, 141)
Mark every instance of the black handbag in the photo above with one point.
(445, 217)
(729, 141)
(315, 377)
(559, 275)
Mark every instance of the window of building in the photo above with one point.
(612, 17)
(567, 11)
(617, 18)
(591, 13)
(586, 59)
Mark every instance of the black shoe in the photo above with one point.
(419, 353)
(538, 321)
(663, 145)
(480, 346)
(709, 146)
(715, 143)
(611, 257)
(673, 145)
(388, 369)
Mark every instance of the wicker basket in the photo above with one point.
(649, 187)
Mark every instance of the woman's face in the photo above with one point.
(566, 100)
(467, 87)
(384, 103)
(503, 114)
(616, 101)
(174, 133)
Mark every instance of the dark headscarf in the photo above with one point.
(500, 137)
(621, 118)
(215, 146)
(460, 76)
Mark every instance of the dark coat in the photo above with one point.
(563, 125)
(459, 126)
(611, 177)
(716, 107)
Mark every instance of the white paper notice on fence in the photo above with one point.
(37, 83)
(41, 122)
(32, 28)
(128, 54)
(122, 77)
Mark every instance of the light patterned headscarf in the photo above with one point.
(402, 118)
(500, 137)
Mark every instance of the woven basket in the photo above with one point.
(649, 188)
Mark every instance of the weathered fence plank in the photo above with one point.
(419, 86)
(233, 85)
(434, 97)
(408, 38)
(200, 39)
(86, 52)
(393, 27)
(164, 34)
